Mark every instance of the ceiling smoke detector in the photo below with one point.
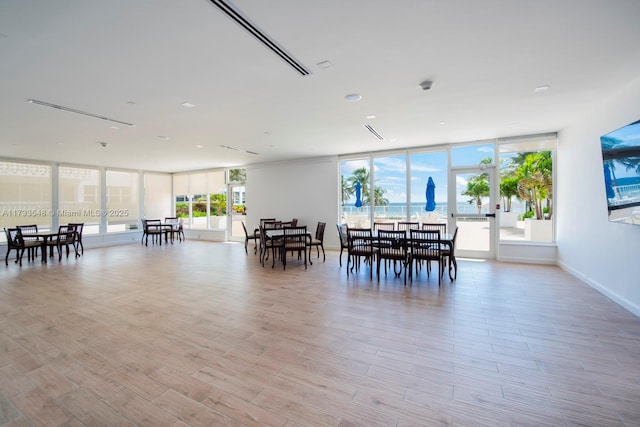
(426, 85)
(103, 144)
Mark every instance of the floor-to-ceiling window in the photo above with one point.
(526, 188)
(79, 197)
(122, 210)
(355, 205)
(389, 190)
(25, 194)
(201, 199)
(425, 165)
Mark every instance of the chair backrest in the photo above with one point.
(151, 224)
(359, 237)
(263, 220)
(389, 241)
(408, 225)
(284, 224)
(425, 244)
(442, 227)
(173, 220)
(25, 230)
(294, 222)
(295, 237)
(79, 226)
(244, 227)
(12, 238)
(320, 230)
(342, 233)
(66, 234)
(384, 226)
(272, 224)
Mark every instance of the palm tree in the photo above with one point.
(477, 188)
(378, 197)
(362, 176)
(346, 190)
(535, 183)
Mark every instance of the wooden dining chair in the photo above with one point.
(384, 226)
(318, 240)
(78, 244)
(32, 243)
(14, 235)
(253, 237)
(360, 245)
(344, 239)
(424, 247)
(153, 228)
(294, 240)
(66, 237)
(404, 225)
(448, 253)
(392, 246)
(442, 227)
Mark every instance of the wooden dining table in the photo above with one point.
(43, 237)
(446, 239)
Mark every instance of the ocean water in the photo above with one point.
(399, 210)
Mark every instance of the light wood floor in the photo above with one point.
(199, 334)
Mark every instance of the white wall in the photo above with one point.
(605, 255)
(304, 189)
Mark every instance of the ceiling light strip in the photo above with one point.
(270, 44)
(374, 132)
(72, 110)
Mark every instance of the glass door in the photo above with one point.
(473, 210)
(236, 196)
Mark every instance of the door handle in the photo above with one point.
(492, 215)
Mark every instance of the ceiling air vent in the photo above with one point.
(374, 132)
(255, 32)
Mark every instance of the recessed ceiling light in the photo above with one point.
(199, 146)
(187, 104)
(370, 117)
(541, 88)
(353, 97)
(131, 102)
(325, 65)
(114, 127)
(162, 137)
(443, 122)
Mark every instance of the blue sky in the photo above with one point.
(390, 171)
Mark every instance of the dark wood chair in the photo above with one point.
(392, 246)
(360, 245)
(32, 243)
(66, 237)
(295, 240)
(344, 239)
(153, 228)
(442, 227)
(176, 228)
(384, 226)
(424, 246)
(267, 244)
(448, 253)
(15, 241)
(404, 225)
(255, 237)
(78, 245)
(318, 240)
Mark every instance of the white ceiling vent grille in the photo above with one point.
(257, 33)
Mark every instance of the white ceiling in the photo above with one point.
(137, 61)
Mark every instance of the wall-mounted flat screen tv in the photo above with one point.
(621, 163)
